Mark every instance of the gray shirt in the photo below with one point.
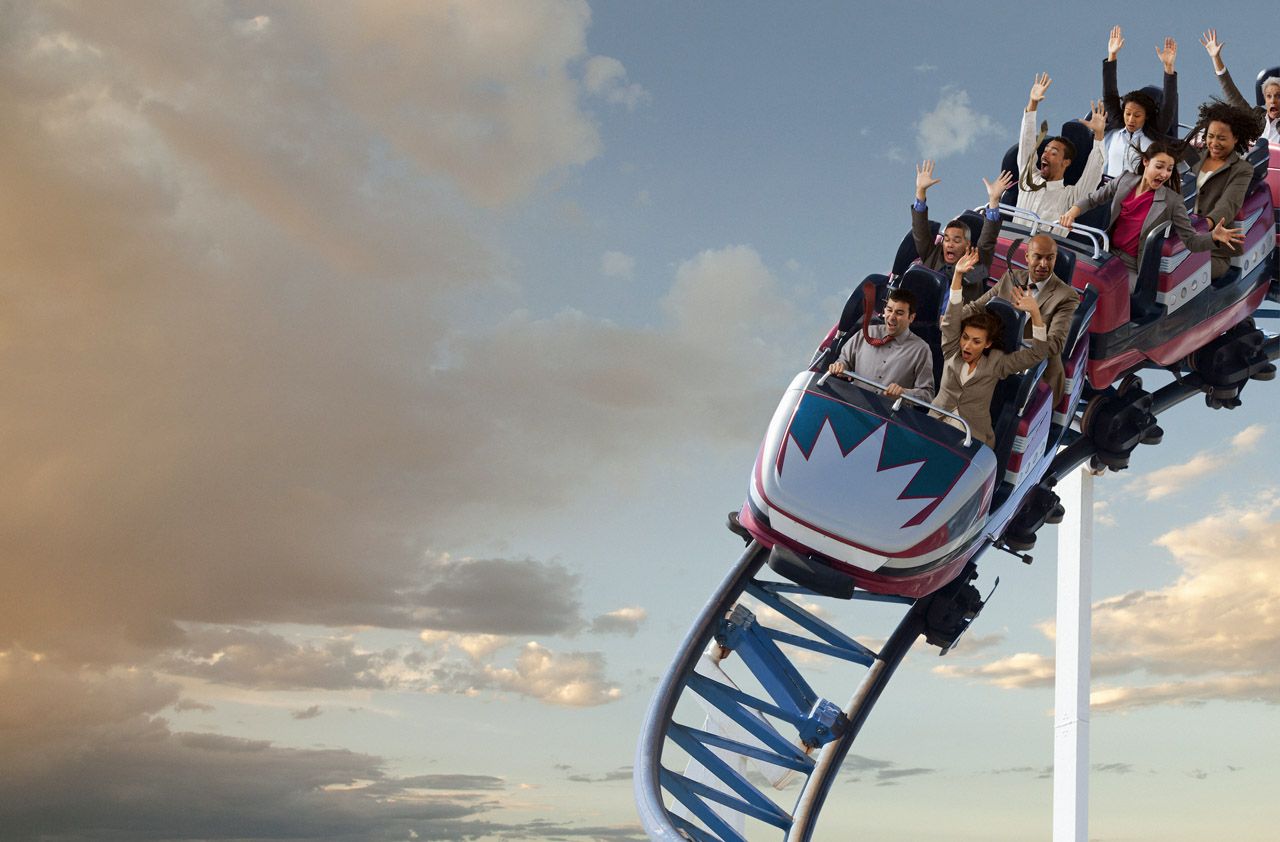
(905, 360)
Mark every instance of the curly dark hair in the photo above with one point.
(1244, 123)
(1147, 103)
(987, 322)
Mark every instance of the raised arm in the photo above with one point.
(955, 311)
(1230, 92)
(991, 227)
(1110, 90)
(920, 232)
(1097, 121)
(1027, 137)
(1169, 107)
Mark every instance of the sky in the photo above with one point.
(379, 376)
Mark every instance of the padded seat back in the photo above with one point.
(851, 318)
(1142, 302)
(907, 250)
(1260, 157)
(930, 289)
(1263, 76)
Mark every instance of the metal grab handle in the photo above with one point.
(897, 404)
(1100, 239)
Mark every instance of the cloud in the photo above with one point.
(496, 596)
(615, 264)
(606, 77)
(622, 621)
(924, 68)
(883, 772)
(1112, 768)
(1224, 646)
(571, 679)
(1173, 478)
(952, 127)
(267, 661)
(242, 384)
(622, 773)
(307, 713)
(86, 757)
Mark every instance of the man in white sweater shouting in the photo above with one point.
(1041, 189)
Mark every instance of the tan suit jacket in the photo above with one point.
(972, 400)
(1058, 303)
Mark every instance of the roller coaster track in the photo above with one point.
(769, 725)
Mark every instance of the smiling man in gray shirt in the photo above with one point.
(890, 353)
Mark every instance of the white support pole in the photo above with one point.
(1073, 646)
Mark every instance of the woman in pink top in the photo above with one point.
(1142, 201)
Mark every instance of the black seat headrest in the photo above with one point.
(927, 286)
(1080, 319)
(1064, 266)
(851, 316)
(1157, 94)
(907, 250)
(1263, 76)
(1082, 138)
(973, 221)
(1011, 320)
(1009, 163)
(1260, 157)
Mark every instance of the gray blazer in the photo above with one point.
(1221, 197)
(972, 400)
(1166, 206)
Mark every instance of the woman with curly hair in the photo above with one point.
(1222, 174)
(1142, 201)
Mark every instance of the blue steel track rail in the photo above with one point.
(792, 702)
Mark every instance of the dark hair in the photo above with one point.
(1069, 148)
(1146, 102)
(987, 322)
(959, 223)
(1173, 148)
(906, 296)
(1244, 123)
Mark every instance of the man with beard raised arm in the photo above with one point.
(1041, 189)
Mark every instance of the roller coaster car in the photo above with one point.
(853, 488)
(1176, 308)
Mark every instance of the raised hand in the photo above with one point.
(1038, 87)
(995, 189)
(1097, 119)
(1114, 43)
(966, 262)
(924, 179)
(1230, 237)
(1026, 302)
(1213, 47)
(1168, 54)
